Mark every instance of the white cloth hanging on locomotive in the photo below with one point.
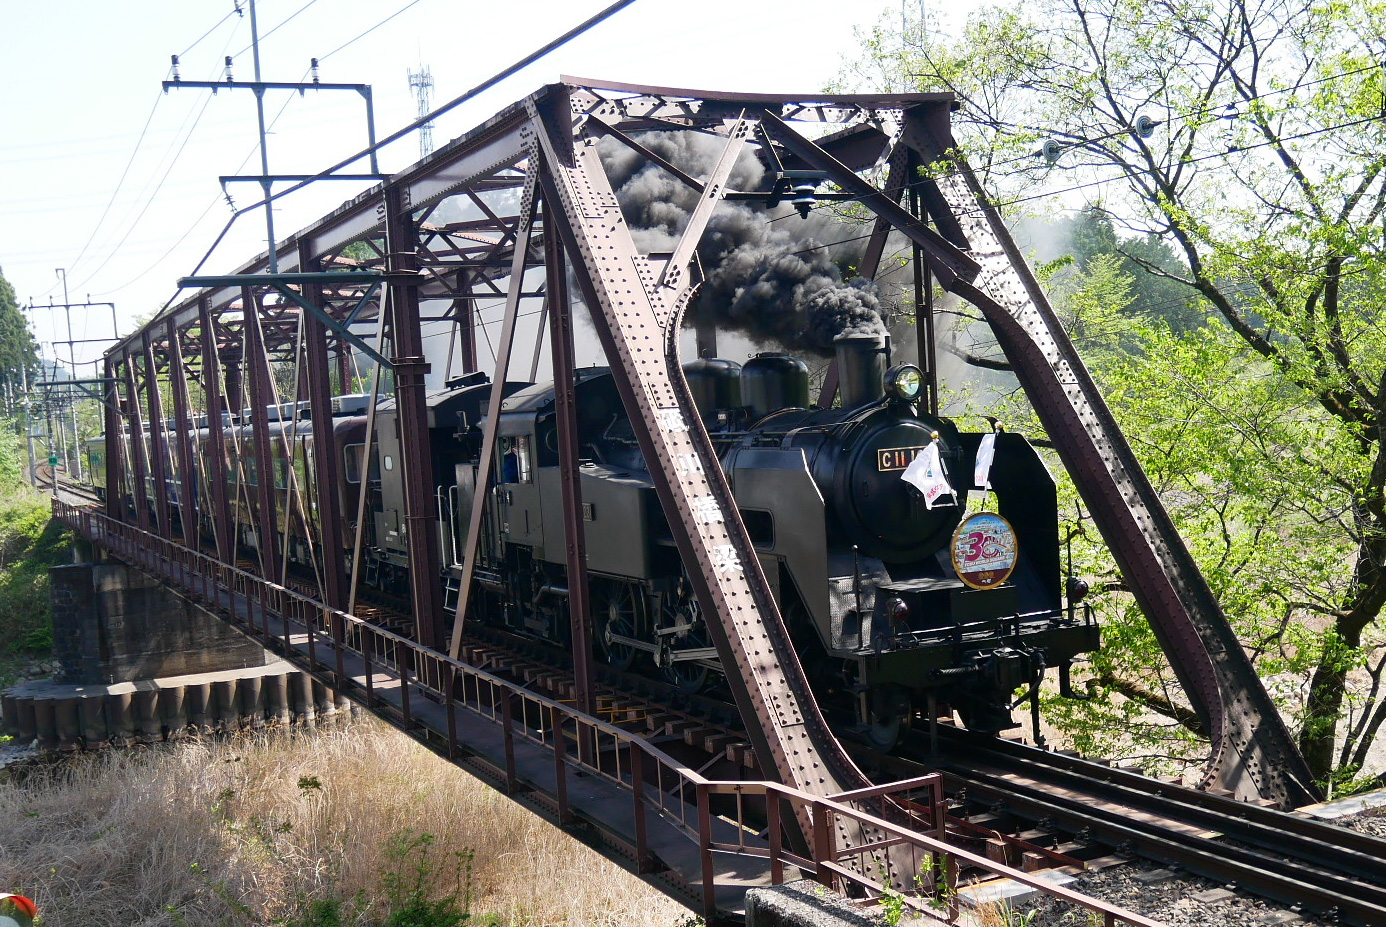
(986, 451)
(925, 473)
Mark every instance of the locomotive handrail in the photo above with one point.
(554, 725)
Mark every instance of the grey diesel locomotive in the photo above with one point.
(889, 624)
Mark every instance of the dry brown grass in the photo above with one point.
(248, 831)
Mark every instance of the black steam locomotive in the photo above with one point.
(898, 607)
(889, 623)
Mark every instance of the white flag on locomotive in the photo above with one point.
(981, 474)
(925, 473)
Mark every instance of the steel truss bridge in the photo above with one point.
(362, 283)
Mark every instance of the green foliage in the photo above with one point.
(1261, 192)
(417, 889)
(30, 543)
(18, 350)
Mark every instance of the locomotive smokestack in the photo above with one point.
(861, 366)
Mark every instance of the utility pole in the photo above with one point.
(72, 391)
(265, 182)
(265, 179)
(421, 82)
(71, 374)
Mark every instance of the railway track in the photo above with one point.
(1325, 870)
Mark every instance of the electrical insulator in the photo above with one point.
(229, 78)
(1145, 126)
(314, 69)
(1050, 150)
(175, 67)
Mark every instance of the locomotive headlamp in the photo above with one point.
(905, 382)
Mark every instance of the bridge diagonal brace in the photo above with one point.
(524, 229)
(596, 125)
(637, 321)
(675, 272)
(360, 304)
(948, 262)
(337, 328)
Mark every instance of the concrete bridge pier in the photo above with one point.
(138, 663)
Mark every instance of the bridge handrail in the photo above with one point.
(587, 733)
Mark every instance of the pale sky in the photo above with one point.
(81, 78)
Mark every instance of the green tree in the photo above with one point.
(18, 350)
(1265, 173)
(1151, 264)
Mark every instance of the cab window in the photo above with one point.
(517, 459)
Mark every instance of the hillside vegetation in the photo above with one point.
(30, 543)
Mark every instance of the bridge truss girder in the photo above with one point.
(544, 149)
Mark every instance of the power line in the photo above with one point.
(236, 10)
(400, 133)
(198, 221)
(1201, 158)
(124, 174)
(358, 38)
(119, 183)
(152, 196)
(1186, 116)
(276, 28)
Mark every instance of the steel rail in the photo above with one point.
(1348, 851)
(1268, 874)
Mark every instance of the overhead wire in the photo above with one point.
(452, 104)
(119, 183)
(144, 130)
(282, 23)
(1106, 180)
(203, 37)
(367, 32)
(152, 196)
(124, 238)
(1203, 110)
(212, 205)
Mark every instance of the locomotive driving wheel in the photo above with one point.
(685, 631)
(617, 610)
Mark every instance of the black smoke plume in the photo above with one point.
(766, 273)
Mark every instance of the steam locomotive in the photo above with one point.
(875, 577)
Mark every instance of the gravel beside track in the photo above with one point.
(1371, 822)
(1175, 899)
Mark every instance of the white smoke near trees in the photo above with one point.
(767, 274)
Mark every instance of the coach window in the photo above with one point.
(352, 461)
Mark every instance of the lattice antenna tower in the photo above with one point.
(421, 82)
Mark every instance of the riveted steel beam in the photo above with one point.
(215, 459)
(261, 395)
(411, 407)
(331, 533)
(158, 440)
(190, 486)
(139, 486)
(638, 322)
